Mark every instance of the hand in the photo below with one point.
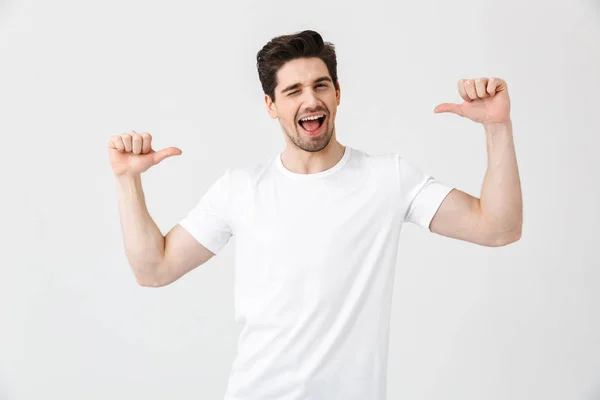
(486, 101)
(131, 153)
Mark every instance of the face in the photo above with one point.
(305, 103)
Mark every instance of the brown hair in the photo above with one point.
(282, 49)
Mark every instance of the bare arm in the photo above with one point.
(497, 217)
(144, 243)
(156, 260)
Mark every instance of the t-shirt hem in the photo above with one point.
(430, 200)
(200, 236)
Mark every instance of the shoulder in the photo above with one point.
(382, 164)
(393, 166)
(241, 176)
(246, 178)
(375, 159)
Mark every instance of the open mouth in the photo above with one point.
(312, 125)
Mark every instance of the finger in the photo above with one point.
(146, 143)
(117, 142)
(136, 143)
(470, 88)
(112, 142)
(462, 91)
(126, 138)
(492, 86)
(481, 88)
(448, 108)
(164, 153)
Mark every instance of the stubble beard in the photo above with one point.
(309, 144)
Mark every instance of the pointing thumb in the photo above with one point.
(164, 153)
(448, 108)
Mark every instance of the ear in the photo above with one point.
(338, 93)
(271, 109)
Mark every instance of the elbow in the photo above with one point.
(151, 280)
(505, 238)
(151, 283)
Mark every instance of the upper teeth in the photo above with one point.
(311, 118)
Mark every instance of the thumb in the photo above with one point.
(164, 153)
(448, 108)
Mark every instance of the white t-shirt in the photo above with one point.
(315, 260)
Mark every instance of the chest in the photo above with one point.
(295, 234)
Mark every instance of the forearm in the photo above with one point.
(501, 199)
(144, 242)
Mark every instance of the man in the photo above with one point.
(317, 229)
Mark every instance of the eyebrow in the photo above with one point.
(297, 85)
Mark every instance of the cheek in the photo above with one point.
(291, 119)
(290, 116)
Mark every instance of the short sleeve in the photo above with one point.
(422, 195)
(209, 221)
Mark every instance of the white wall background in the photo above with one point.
(469, 323)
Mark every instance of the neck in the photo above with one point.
(304, 162)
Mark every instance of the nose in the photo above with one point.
(310, 98)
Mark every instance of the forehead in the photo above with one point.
(301, 70)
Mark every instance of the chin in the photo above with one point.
(313, 144)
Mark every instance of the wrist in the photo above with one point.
(498, 127)
(127, 179)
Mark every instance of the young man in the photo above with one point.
(317, 229)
